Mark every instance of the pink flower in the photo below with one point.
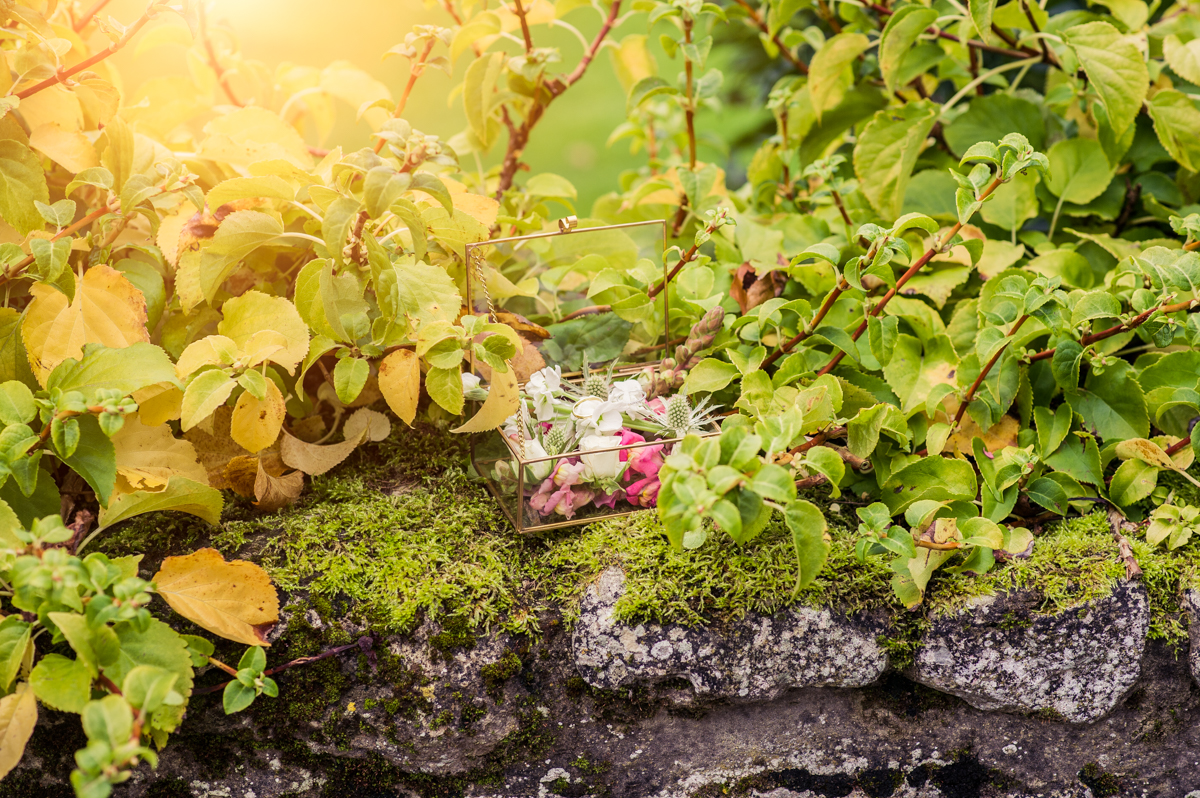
(657, 405)
(644, 492)
(559, 492)
(608, 500)
(646, 460)
(628, 437)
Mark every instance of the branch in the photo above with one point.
(826, 306)
(761, 24)
(213, 61)
(518, 137)
(1023, 52)
(520, 12)
(1118, 525)
(89, 15)
(62, 75)
(364, 643)
(414, 72)
(970, 395)
(908, 275)
(21, 266)
(1133, 323)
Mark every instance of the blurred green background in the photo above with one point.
(570, 140)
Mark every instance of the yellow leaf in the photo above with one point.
(256, 423)
(273, 492)
(67, 148)
(253, 312)
(148, 456)
(400, 383)
(482, 209)
(501, 403)
(1003, 434)
(212, 350)
(158, 404)
(235, 600)
(107, 310)
(170, 229)
(179, 495)
(18, 716)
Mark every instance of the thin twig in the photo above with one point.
(970, 395)
(364, 643)
(213, 61)
(89, 15)
(908, 275)
(63, 74)
(1117, 329)
(761, 24)
(1118, 524)
(414, 72)
(1023, 52)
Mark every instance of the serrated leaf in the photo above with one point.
(400, 383)
(18, 717)
(234, 600)
(256, 422)
(1115, 68)
(500, 404)
(106, 309)
(180, 495)
(887, 150)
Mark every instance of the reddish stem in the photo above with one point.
(88, 63)
(761, 24)
(970, 395)
(1133, 323)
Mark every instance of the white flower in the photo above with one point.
(469, 381)
(626, 395)
(534, 450)
(591, 413)
(542, 387)
(601, 465)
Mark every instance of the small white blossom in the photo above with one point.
(542, 387)
(601, 465)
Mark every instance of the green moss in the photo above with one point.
(497, 673)
(1101, 783)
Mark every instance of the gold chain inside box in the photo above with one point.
(503, 462)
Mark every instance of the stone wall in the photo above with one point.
(998, 701)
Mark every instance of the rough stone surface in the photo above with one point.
(758, 658)
(895, 738)
(1078, 664)
(1191, 604)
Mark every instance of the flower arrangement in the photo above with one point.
(591, 445)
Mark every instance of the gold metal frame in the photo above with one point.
(567, 226)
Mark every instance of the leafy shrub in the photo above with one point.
(956, 284)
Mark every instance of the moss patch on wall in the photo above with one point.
(403, 531)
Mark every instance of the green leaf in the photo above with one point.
(992, 117)
(887, 150)
(830, 72)
(902, 30)
(14, 362)
(601, 337)
(61, 683)
(981, 15)
(16, 403)
(240, 233)
(1133, 481)
(349, 377)
(95, 646)
(1184, 59)
(180, 495)
(161, 646)
(480, 98)
(646, 88)
(1112, 404)
(204, 394)
(829, 463)
(22, 182)
(265, 186)
(807, 523)
(237, 697)
(1176, 120)
(147, 687)
(710, 374)
(108, 720)
(1079, 170)
(14, 640)
(1115, 68)
(864, 429)
(936, 478)
(1078, 457)
(127, 369)
(94, 459)
(445, 387)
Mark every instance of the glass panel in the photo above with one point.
(581, 293)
